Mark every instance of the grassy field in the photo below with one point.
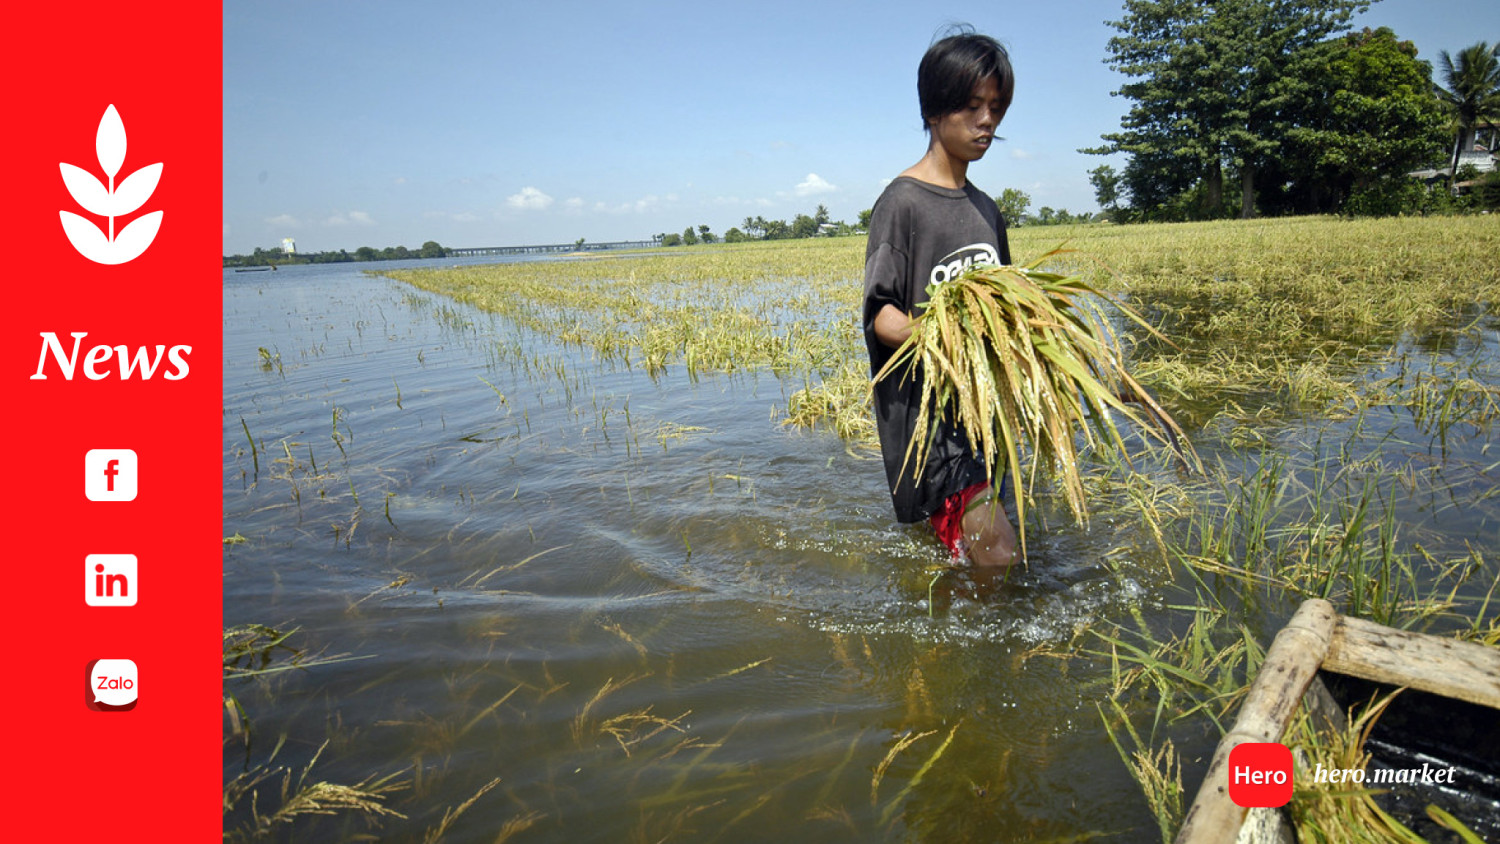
(1278, 314)
(1343, 375)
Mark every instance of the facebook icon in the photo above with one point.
(109, 474)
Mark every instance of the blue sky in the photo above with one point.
(381, 123)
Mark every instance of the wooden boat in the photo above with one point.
(1453, 681)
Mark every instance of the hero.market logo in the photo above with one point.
(108, 200)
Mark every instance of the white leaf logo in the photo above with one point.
(106, 200)
(109, 142)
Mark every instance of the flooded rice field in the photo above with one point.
(484, 581)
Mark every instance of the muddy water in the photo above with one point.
(620, 607)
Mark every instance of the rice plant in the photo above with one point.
(1016, 354)
(1344, 812)
(297, 799)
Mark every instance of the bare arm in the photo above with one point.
(891, 326)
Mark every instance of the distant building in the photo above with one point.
(1481, 159)
(1484, 157)
(289, 245)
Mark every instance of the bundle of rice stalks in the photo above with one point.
(1012, 354)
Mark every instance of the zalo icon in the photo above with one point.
(113, 685)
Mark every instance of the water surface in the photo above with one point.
(650, 610)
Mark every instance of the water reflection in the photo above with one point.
(642, 604)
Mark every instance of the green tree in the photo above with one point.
(734, 235)
(689, 237)
(706, 236)
(864, 218)
(671, 240)
(1210, 83)
(1166, 132)
(774, 229)
(1106, 184)
(804, 226)
(1487, 192)
(433, 249)
(1370, 120)
(1472, 95)
(1013, 204)
(366, 253)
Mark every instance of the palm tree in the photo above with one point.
(1473, 92)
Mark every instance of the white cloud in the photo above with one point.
(814, 184)
(356, 218)
(529, 199)
(282, 220)
(455, 216)
(742, 202)
(1020, 154)
(646, 203)
(639, 206)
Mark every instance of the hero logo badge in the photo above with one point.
(956, 262)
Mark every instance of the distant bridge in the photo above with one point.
(552, 248)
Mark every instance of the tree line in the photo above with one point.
(1014, 203)
(759, 228)
(1245, 107)
(266, 257)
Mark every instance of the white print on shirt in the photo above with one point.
(956, 262)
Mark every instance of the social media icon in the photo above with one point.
(1260, 774)
(110, 580)
(109, 474)
(113, 685)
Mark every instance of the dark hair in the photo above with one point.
(954, 65)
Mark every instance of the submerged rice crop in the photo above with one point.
(595, 547)
(1282, 315)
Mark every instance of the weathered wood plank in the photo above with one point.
(1266, 826)
(1448, 667)
(1289, 667)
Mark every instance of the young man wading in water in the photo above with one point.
(929, 225)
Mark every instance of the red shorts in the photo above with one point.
(948, 521)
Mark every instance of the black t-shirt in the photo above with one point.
(922, 234)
